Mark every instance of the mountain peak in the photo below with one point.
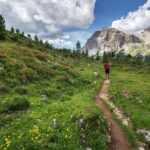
(147, 29)
(109, 39)
(145, 36)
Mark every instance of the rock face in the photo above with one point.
(108, 39)
(145, 36)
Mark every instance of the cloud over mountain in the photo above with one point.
(135, 21)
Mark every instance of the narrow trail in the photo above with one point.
(118, 139)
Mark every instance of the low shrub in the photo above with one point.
(66, 80)
(44, 71)
(14, 66)
(11, 82)
(65, 98)
(3, 72)
(72, 73)
(15, 38)
(27, 74)
(40, 56)
(4, 60)
(3, 88)
(50, 92)
(3, 56)
(92, 128)
(21, 90)
(16, 104)
(19, 103)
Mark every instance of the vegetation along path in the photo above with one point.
(118, 139)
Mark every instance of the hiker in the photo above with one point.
(107, 67)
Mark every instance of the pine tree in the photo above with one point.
(29, 44)
(41, 42)
(2, 28)
(78, 46)
(36, 38)
(12, 30)
(97, 56)
(17, 31)
(29, 36)
(47, 45)
(22, 33)
(86, 52)
(105, 59)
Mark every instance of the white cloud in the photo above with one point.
(69, 39)
(135, 21)
(47, 16)
(58, 42)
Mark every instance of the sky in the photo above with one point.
(64, 22)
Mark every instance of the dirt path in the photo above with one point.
(118, 139)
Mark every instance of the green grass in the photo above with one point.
(44, 85)
(38, 86)
(129, 90)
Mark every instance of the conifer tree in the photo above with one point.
(22, 33)
(78, 46)
(12, 30)
(2, 28)
(17, 31)
(105, 59)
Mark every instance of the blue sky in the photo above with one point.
(106, 11)
(64, 22)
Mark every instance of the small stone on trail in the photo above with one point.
(44, 97)
(141, 146)
(88, 148)
(54, 123)
(108, 138)
(83, 138)
(145, 133)
(81, 123)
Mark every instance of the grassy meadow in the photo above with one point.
(129, 90)
(46, 100)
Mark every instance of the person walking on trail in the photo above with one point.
(107, 70)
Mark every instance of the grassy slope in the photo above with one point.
(133, 80)
(58, 85)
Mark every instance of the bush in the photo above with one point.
(28, 74)
(15, 37)
(3, 56)
(16, 104)
(65, 98)
(21, 90)
(66, 80)
(40, 56)
(11, 82)
(3, 60)
(19, 103)
(14, 66)
(50, 92)
(3, 72)
(44, 71)
(73, 73)
(3, 88)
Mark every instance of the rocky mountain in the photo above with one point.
(109, 39)
(145, 36)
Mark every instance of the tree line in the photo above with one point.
(16, 34)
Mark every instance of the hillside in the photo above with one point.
(45, 95)
(49, 97)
